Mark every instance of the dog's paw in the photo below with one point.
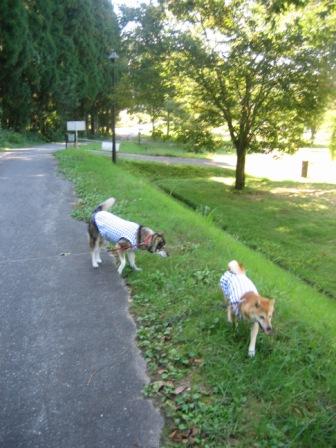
(95, 265)
(251, 353)
(135, 268)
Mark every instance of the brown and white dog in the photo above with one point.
(126, 235)
(244, 302)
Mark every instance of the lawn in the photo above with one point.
(211, 393)
(292, 224)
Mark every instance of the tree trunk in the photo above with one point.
(240, 169)
(168, 123)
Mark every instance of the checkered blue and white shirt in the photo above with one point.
(234, 286)
(112, 228)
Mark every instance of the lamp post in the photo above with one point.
(113, 57)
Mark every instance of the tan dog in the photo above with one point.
(244, 302)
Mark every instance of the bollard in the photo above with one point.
(304, 168)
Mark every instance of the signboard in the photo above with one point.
(76, 125)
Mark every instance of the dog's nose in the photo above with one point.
(269, 330)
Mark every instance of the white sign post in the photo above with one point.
(76, 126)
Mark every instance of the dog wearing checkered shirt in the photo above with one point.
(126, 235)
(244, 302)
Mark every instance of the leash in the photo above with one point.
(148, 239)
(45, 257)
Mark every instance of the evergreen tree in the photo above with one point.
(15, 53)
(54, 64)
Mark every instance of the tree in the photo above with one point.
(147, 47)
(256, 69)
(54, 65)
(15, 52)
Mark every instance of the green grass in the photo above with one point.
(292, 224)
(211, 393)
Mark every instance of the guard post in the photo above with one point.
(304, 168)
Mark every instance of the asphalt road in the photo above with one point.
(71, 375)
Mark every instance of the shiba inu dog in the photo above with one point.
(126, 235)
(244, 302)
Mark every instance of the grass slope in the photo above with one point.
(292, 224)
(211, 393)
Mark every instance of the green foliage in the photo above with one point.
(196, 138)
(332, 145)
(147, 46)
(211, 393)
(265, 71)
(11, 139)
(52, 71)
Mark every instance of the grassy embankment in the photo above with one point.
(211, 393)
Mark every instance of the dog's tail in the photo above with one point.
(235, 267)
(104, 205)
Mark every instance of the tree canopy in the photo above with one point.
(262, 70)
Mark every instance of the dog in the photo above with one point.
(126, 235)
(244, 302)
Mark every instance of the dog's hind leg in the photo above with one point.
(131, 259)
(97, 249)
(95, 253)
(254, 334)
(122, 258)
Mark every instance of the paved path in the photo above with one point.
(71, 375)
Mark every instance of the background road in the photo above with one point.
(71, 376)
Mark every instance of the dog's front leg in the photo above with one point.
(131, 259)
(97, 249)
(254, 334)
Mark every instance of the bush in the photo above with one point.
(11, 139)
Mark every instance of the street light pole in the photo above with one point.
(113, 57)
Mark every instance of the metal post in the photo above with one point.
(114, 158)
(113, 56)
